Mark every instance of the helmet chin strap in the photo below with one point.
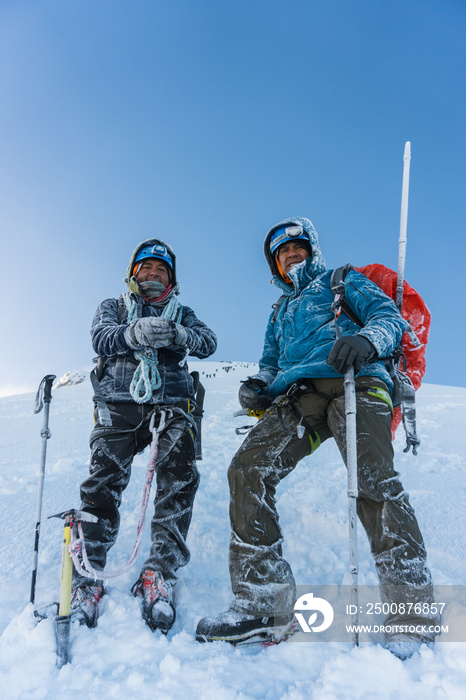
(280, 271)
(136, 268)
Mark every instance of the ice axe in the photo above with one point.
(63, 618)
(42, 401)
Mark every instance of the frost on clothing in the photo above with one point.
(126, 428)
(108, 341)
(261, 577)
(298, 340)
(112, 452)
(300, 337)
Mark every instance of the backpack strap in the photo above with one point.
(337, 284)
(276, 307)
(337, 280)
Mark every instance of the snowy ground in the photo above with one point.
(122, 658)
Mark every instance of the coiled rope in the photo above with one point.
(146, 378)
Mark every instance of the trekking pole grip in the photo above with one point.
(48, 381)
(44, 392)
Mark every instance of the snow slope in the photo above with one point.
(122, 658)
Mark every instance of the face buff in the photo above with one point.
(152, 290)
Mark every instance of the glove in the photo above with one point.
(181, 336)
(251, 395)
(350, 351)
(152, 332)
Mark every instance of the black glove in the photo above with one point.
(350, 351)
(251, 395)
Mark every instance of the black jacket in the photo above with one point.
(107, 332)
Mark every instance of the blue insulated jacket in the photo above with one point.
(299, 339)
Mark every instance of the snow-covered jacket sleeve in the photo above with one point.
(268, 364)
(383, 323)
(201, 340)
(106, 333)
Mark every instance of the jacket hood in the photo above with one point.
(317, 264)
(131, 281)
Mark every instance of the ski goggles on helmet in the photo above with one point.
(283, 234)
(155, 251)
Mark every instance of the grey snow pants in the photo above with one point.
(261, 578)
(112, 451)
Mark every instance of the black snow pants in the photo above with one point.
(261, 578)
(112, 451)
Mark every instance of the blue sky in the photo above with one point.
(204, 123)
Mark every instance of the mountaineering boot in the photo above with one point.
(84, 605)
(232, 626)
(157, 609)
(405, 645)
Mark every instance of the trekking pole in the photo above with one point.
(403, 240)
(403, 225)
(352, 469)
(406, 388)
(43, 399)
